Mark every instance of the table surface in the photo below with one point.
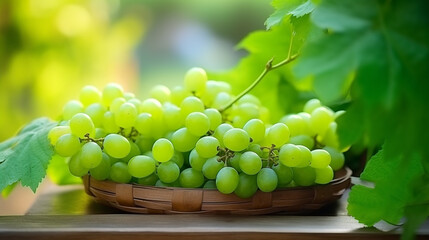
(68, 213)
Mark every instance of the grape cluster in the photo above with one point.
(185, 137)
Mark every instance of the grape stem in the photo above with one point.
(87, 138)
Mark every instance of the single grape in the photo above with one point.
(304, 176)
(75, 167)
(284, 174)
(278, 134)
(119, 173)
(172, 116)
(144, 143)
(290, 155)
(304, 140)
(144, 124)
(141, 166)
(267, 180)
(183, 141)
(337, 158)
(227, 180)
(235, 161)
(91, 155)
(153, 107)
(100, 133)
(211, 167)
(249, 98)
(247, 186)
(67, 145)
(129, 95)
(109, 123)
(178, 159)
(207, 147)
(102, 170)
(136, 102)
(96, 112)
(256, 130)
(168, 172)
(149, 180)
(296, 124)
(162, 150)
(196, 161)
(195, 80)
(116, 145)
(110, 92)
(312, 104)
(250, 163)
(256, 148)
(264, 114)
(126, 116)
(320, 158)
(221, 100)
(215, 117)
(160, 93)
(191, 178)
(236, 139)
(134, 151)
(72, 108)
(56, 132)
(191, 104)
(116, 104)
(81, 124)
(177, 95)
(320, 119)
(305, 156)
(89, 95)
(220, 132)
(239, 121)
(210, 184)
(324, 175)
(330, 138)
(213, 88)
(197, 124)
(248, 111)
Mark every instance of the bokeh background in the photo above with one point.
(49, 49)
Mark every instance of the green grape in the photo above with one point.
(236, 139)
(191, 104)
(239, 121)
(296, 124)
(129, 95)
(72, 108)
(183, 141)
(197, 124)
(330, 138)
(67, 145)
(160, 183)
(305, 156)
(119, 173)
(100, 133)
(162, 150)
(320, 119)
(221, 100)
(247, 186)
(290, 155)
(250, 163)
(320, 158)
(109, 123)
(227, 180)
(264, 114)
(89, 95)
(75, 167)
(96, 112)
(149, 180)
(307, 118)
(207, 147)
(249, 98)
(134, 151)
(56, 132)
(81, 124)
(304, 176)
(304, 140)
(215, 117)
(177, 95)
(220, 132)
(144, 143)
(338, 114)
(196, 161)
(337, 158)
(144, 124)
(160, 93)
(136, 102)
(248, 110)
(256, 148)
(116, 145)
(116, 104)
(110, 92)
(278, 134)
(312, 104)
(90, 155)
(267, 180)
(211, 167)
(153, 107)
(141, 166)
(168, 172)
(195, 80)
(256, 130)
(102, 170)
(212, 89)
(210, 184)
(191, 178)
(172, 116)
(178, 159)
(235, 161)
(284, 174)
(126, 116)
(324, 175)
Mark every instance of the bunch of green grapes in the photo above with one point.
(185, 137)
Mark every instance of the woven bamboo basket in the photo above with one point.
(171, 200)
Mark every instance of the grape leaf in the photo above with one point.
(286, 8)
(58, 171)
(25, 157)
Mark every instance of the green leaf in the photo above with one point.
(286, 8)
(58, 171)
(25, 157)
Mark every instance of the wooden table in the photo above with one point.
(68, 213)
